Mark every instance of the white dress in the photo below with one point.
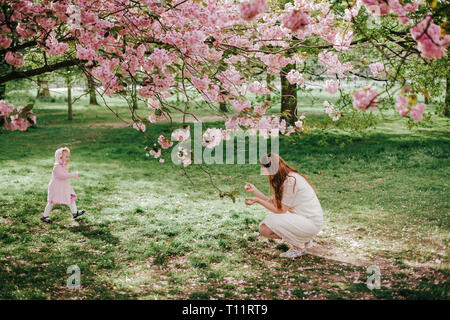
(304, 220)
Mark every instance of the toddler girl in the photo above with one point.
(59, 189)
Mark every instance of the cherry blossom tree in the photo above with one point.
(149, 50)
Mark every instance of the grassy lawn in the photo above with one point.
(149, 234)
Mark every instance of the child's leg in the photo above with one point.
(47, 210)
(73, 207)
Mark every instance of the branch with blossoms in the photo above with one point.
(19, 119)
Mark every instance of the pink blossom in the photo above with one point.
(294, 77)
(261, 109)
(365, 98)
(153, 103)
(402, 105)
(152, 118)
(376, 67)
(5, 109)
(164, 142)
(342, 41)
(181, 134)
(184, 156)
(417, 111)
(5, 42)
(296, 20)
(14, 59)
(429, 39)
(377, 7)
(139, 126)
(55, 48)
(212, 138)
(240, 105)
(156, 154)
(332, 63)
(332, 86)
(250, 9)
(201, 84)
(258, 88)
(332, 113)
(232, 124)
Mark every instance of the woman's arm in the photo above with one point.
(252, 189)
(268, 204)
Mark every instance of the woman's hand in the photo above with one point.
(250, 201)
(250, 188)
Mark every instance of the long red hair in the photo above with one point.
(277, 179)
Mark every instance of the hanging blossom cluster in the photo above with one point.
(331, 111)
(19, 119)
(407, 105)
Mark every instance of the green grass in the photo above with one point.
(149, 234)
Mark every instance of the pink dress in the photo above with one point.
(59, 189)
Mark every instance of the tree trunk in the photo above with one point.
(2, 91)
(91, 88)
(447, 98)
(288, 95)
(43, 90)
(268, 81)
(223, 107)
(69, 101)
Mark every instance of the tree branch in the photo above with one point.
(35, 72)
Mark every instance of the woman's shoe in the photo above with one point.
(292, 253)
(77, 214)
(46, 219)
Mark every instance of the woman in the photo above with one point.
(297, 215)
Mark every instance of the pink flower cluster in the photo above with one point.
(332, 63)
(416, 112)
(296, 20)
(250, 9)
(332, 113)
(365, 98)
(54, 47)
(18, 120)
(14, 59)
(294, 77)
(181, 134)
(428, 36)
(164, 142)
(376, 67)
(212, 137)
(258, 88)
(332, 86)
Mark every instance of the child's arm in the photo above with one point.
(58, 173)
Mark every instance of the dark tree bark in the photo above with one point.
(268, 81)
(447, 98)
(43, 90)
(2, 91)
(288, 95)
(69, 102)
(223, 107)
(13, 75)
(92, 93)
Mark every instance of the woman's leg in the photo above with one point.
(47, 210)
(266, 232)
